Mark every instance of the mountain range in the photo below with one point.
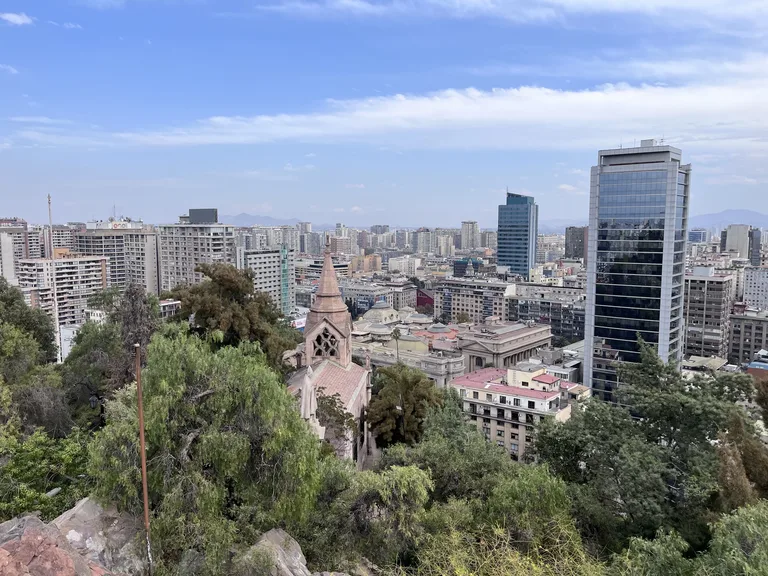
(717, 220)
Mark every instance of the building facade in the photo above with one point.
(274, 273)
(756, 287)
(517, 234)
(638, 216)
(477, 298)
(72, 279)
(565, 315)
(470, 235)
(708, 300)
(502, 345)
(186, 245)
(576, 241)
(698, 236)
(749, 334)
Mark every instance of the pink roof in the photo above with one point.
(486, 378)
(546, 379)
(333, 379)
(482, 375)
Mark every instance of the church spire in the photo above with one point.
(328, 304)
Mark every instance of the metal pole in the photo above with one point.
(137, 347)
(56, 327)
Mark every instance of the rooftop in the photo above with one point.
(546, 379)
(489, 379)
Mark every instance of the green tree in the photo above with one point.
(397, 412)
(463, 318)
(33, 321)
(340, 426)
(228, 303)
(19, 354)
(228, 453)
(396, 338)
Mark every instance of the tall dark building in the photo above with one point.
(638, 220)
(576, 241)
(517, 234)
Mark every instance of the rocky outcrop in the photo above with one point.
(28, 547)
(103, 536)
(285, 553)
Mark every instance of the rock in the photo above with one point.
(365, 568)
(104, 537)
(28, 547)
(287, 557)
(330, 574)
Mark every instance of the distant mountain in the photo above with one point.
(558, 226)
(244, 219)
(722, 219)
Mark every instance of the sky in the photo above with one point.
(406, 112)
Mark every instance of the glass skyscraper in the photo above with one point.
(517, 234)
(638, 212)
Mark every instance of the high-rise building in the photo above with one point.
(405, 265)
(17, 230)
(576, 241)
(63, 237)
(638, 213)
(470, 235)
(756, 287)
(131, 248)
(379, 228)
(304, 227)
(518, 231)
(274, 272)
(744, 240)
(708, 300)
(698, 236)
(477, 298)
(186, 245)
(489, 239)
(7, 258)
(76, 279)
(749, 333)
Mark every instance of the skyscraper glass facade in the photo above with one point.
(637, 234)
(517, 234)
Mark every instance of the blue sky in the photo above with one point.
(408, 112)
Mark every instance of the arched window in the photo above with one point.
(326, 345)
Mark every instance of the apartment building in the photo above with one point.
(756, 287)
(74, 279)
(706, 312)
(17, 231)
(562, 309)
(508, 413)
(478, 298)
(197, 239)
(403, 294)
(749, 333)
(274, 273)
(131, 248)
(405, 265)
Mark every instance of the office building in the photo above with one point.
(403, 294)
(517, 234)
(576, 241)
(476, 298)
(698, 236)
(742, 240)
(365, 294)
(191, 242)
(406, 265)
(749, 334)
(379, 228)
(470, 235)
(274, 273)
(304, 227)
(76, 279)
(756, 287)
(563, 313)
(638, 211)
(131, 248)
(708, 300)
(341, 245)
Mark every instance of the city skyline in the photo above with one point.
(279, 109)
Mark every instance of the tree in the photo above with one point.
(340, 426)
(227, 303)
(33, 321)
(417, 282)
(397, 412)
(228, 453)
(396, 338)
(463, 318)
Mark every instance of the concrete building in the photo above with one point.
(274, 273)
(749, 334)
(489, 239)
(63, 237)
(756, 287)
(75, 279)
(191, 242)
(131, 248)
(470, 235)
(403, 294)
(508, 414)
(304, 227)
(365, 294)
(707, 302)
(476, 297)
(502, 345)
(379, 228)
(7, 258)
(564, 314)
(17, 230)
(518, 232)
(638, 216)
(698, 236)
(743, 241)
(406, 265)
(576, 241)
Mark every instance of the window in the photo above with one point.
(531, 404)
(529, 439)
(500, 413)
(513, 447)
(489, 397)
(473, 418)
(500, 433)
(326, 344)
(463, 393)
(517, 402)
(514, 436)
(502, 399)
(475, 395)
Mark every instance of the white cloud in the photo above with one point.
(310, 155)
(72, 26)
(38, 120)
(291, 168)
(16, 19)
(356, 209)
(567, 188)
(578, 172)
(8, 68)
(525, 10)
(355, 186)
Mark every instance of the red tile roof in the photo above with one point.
(333, 379)
(489, 379)
(546, 379)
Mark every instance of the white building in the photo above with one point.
(274, 272)
(184, 246)
(405, 264)
(131, 248)
(75, 280)
(756, 287)
(470, 235)
(7, 258)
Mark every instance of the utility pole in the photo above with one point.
(142, 448)
(57, 330)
